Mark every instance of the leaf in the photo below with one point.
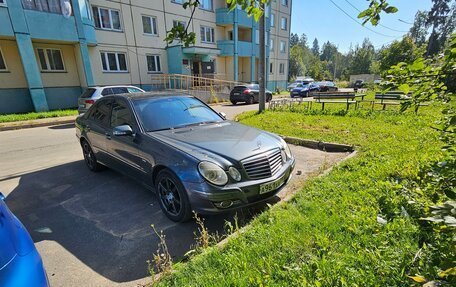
(391, 9)
(418, 278)
(405, 88)
(449, 272)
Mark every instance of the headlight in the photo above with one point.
(234, 173)
(213, 173)
(286, 148)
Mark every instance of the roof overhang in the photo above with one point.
(201, 51)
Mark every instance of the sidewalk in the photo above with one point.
(37, 123)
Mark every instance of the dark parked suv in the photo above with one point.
(249, 94)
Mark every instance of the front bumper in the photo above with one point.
(205, 198)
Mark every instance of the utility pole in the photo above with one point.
(262, 68)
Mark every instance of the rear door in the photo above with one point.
(98, 126)
(119, 90)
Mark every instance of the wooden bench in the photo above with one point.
(391, 99)
(337, 98)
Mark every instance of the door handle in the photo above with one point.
(108, 136)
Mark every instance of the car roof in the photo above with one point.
(137, 96)
(116, 86)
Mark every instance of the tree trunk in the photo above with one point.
(262, 68)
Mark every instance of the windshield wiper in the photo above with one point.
(196, 124)
(159, 130)
(194, 107)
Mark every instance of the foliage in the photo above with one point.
(328, 234)
(315, 47)
(35, 115)
(399, 51)
(376, 7)
(362, 58)
(442, 19)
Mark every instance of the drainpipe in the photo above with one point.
(236, 43)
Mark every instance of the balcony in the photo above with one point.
(245, 49)
(225, 17)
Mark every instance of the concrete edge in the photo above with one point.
(324, 146)
(36, 123)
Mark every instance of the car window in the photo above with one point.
(121, 114)
(106, 91)
(88, 93)
(100, 114)
(133, 90)
(119, 90)
(167, 113)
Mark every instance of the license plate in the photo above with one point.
(270, 186)
(236, 94)
(295, 93)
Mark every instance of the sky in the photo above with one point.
(321, 19)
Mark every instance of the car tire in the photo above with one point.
(234, 103)
(268, 98)
(172, 197)
(89, 157)
(250, 100)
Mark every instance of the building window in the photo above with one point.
(50, 60)
(207, 34)
(2, 61)
(283, 46)
(2, 2)
(153, 63)
(206, 5)
(284, 2)
(257, 37)
(271, 68)
(177, 1)
(53, 6)
(107, 19)
(271, 44)
(272, 19)
(179, 23)
(149, 25)
(282, 68)
(114, 62)
(283, 23)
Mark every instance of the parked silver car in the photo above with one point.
(92, 94)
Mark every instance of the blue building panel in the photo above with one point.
(6, 28)
(226, 17)
(245, 49)
(62, 29)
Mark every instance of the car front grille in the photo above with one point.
(264, 165)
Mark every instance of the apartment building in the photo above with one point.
(50, 50)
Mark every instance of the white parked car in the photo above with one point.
(92, 94)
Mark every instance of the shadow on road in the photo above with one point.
(104, 218)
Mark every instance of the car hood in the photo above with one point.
(225, 140)
(305, 88)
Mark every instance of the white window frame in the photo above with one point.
(46, 58)
(152, 18)
(212, 35)
(257, 36)
(284, 2)
(155, 60)
(272, 19)
(282, 72)
(286, 23)
(284, 45)
(117, 62)
(271, 44)
(110, 19)
(3, 4)
(178, 22)
(4, 61)
(207, 9)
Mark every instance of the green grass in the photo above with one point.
(328, 235)
(35, 116)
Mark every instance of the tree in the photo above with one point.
(303, 40)
(362, 58)
(419, 30)
(315, 48)
(297, 67)
(441, 19)
(294, 39)
(399, 51)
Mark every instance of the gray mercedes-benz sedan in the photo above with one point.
(189, 154)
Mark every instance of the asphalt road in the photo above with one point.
(94, 229)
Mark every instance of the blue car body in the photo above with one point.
(304, 90)
(20, 262)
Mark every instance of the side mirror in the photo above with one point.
(123, 130)
(223, 115)
(2, 197)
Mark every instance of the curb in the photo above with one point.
(36, 123)
(324, 146)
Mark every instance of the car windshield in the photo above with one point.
(171, 113)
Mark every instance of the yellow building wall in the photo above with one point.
(14, 77)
